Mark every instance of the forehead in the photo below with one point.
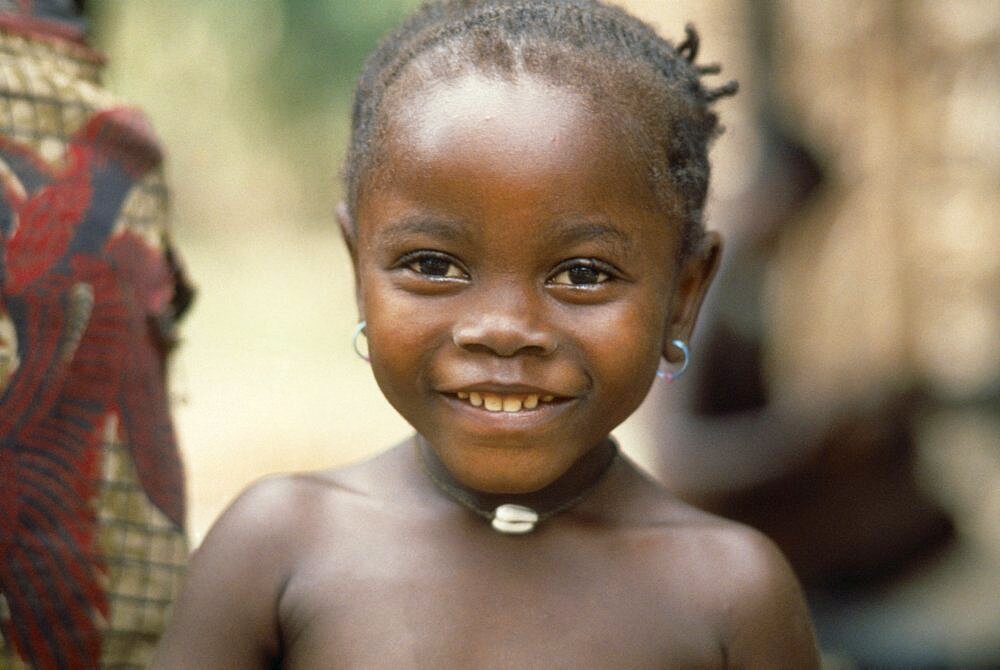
(479, 107)
(479, 132)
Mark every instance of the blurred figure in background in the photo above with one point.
(831, 479)
(868, 330)
(92, 543)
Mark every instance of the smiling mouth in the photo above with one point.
(510, 403)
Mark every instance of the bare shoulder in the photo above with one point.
(765, 617)
(285, 508)
(745, 586)
(227, 614)
(726, 574)
(269, 515)
(282, 516)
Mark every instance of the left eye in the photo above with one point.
(434, 265)
(581, 274)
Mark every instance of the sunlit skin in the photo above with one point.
(508, 245)
(514, 248)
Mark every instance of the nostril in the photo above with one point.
(504, 339)
(538, 349)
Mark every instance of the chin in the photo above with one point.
(501, 470)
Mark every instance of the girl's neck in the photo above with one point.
(565, 492)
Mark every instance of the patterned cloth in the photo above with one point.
(92, 544)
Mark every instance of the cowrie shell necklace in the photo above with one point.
(511, 518)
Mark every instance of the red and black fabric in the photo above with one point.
(91, 485)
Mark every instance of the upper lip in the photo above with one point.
(501, 389)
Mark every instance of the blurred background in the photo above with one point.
(854, 331)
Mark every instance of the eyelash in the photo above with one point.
(604, 271)
(412, 261)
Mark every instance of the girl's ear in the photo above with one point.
(348, 232)
(693, 281)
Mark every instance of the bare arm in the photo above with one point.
(226, 616)
(768, 623)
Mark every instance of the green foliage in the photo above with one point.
(323, 46)
(271, 78)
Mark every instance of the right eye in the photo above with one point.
(433, 264)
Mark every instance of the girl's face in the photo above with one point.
(518, 276)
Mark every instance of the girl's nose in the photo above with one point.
(504, 330)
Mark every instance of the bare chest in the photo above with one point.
(430, 607)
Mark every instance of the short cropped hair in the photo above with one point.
(654, 88)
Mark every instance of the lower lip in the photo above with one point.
(524, 419)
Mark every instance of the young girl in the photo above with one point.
(524, 215)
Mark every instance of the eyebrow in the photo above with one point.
(421, 224)
(562, 233)
(574, 232)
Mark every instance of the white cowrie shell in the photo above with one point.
(512, 527)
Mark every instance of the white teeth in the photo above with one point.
(495, 402)
(548, 398)
(512, 404)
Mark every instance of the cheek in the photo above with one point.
(400, 337)
(393, 329)
(624, 348)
